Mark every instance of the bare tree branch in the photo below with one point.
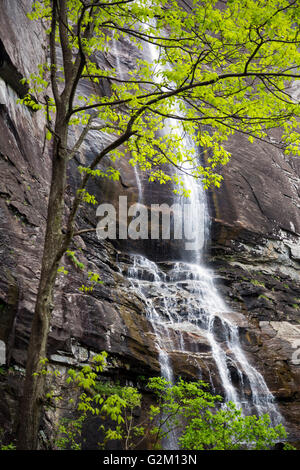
(53, 61)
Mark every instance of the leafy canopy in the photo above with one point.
(203, 71)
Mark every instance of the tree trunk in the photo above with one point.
(33, 391)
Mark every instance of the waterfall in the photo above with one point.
(181, 297)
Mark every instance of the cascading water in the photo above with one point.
(202, 311)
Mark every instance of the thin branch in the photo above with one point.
(79, 61)
(64, 40)
(175, 164)
(259, 45)
(202, 56)
(275, 94)
(81, 138)
(115, 79)
(280, 90)
(147, 37)
(77, 199)
(279, 146)
(162, 96)
(106, 4)
(86, 230)
(53, 60)
(110, 103)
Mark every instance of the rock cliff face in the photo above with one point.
(254, 252)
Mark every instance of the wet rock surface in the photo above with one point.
(255, 239)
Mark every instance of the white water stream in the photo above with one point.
(208, 315)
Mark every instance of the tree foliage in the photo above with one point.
(187, 411)
(228, 429)
(215, 71)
